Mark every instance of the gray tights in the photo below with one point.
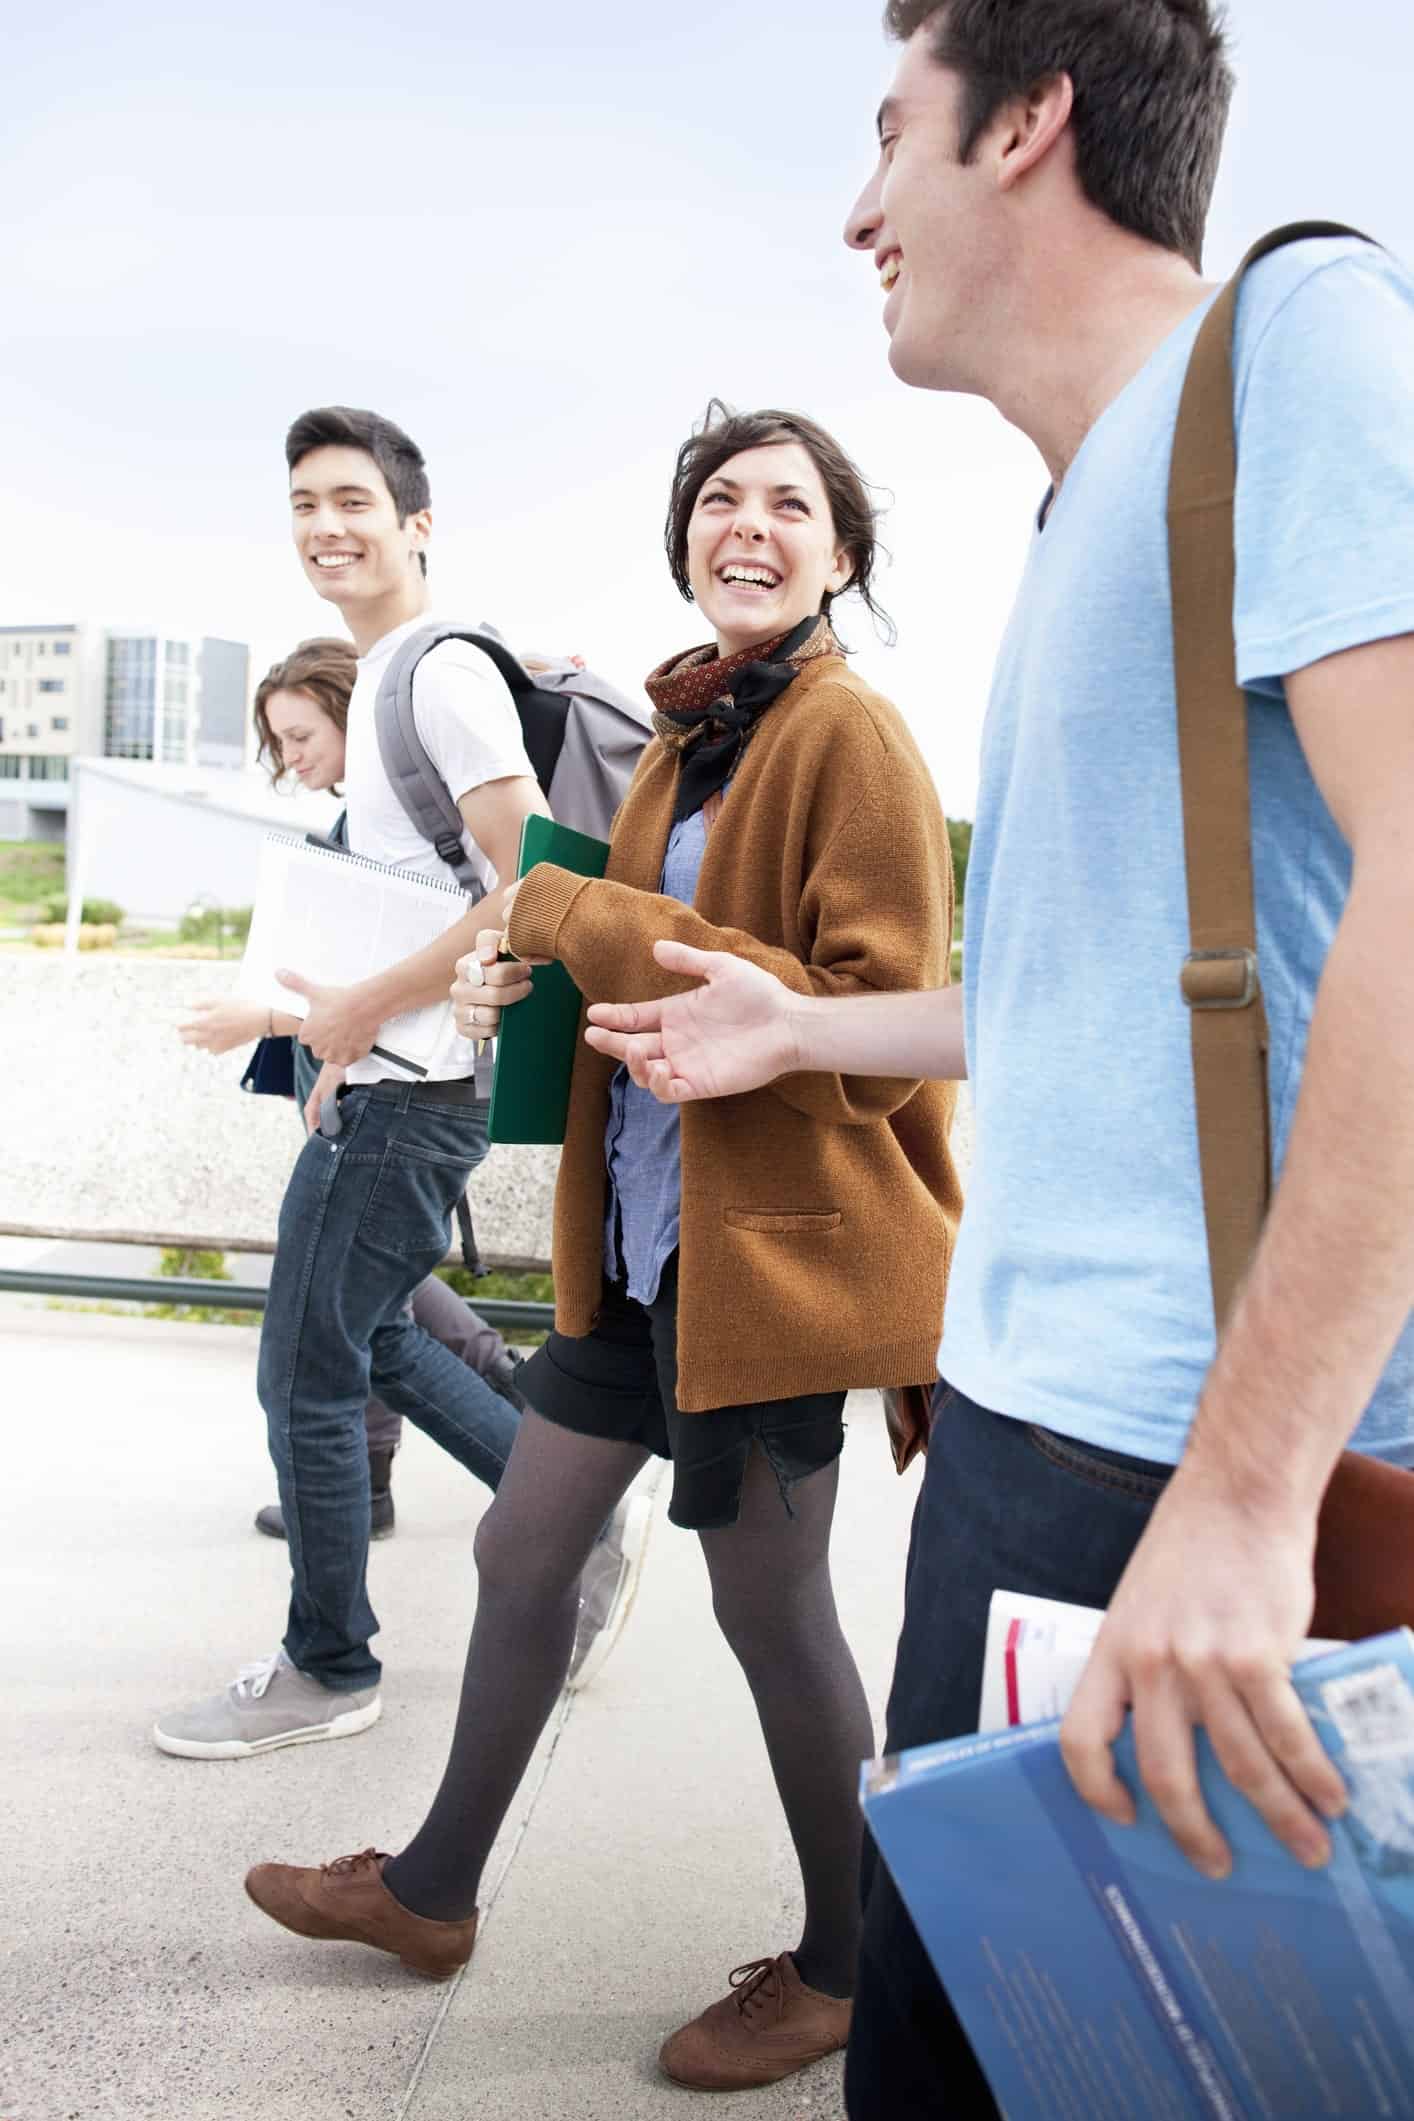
(774, 1602)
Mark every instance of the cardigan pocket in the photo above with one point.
(813, 1222)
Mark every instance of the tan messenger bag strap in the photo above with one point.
(1364, 1568)
(1220, 977)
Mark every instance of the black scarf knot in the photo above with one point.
(706, 708)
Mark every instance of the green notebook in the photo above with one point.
(530, 1089)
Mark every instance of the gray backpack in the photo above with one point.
(582, 736)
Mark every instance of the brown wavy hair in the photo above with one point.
(324, 670)
(722, 434)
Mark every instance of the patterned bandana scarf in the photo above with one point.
(707, 705)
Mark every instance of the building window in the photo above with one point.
(41, 648)
(33, 729)
(59, 721)
(51, 684)
(49, 769)
(9, 768)
(63, 647)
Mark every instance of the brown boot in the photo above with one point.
(768, 2027)
(348, 1901)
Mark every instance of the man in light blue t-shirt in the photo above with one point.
(1039, 245)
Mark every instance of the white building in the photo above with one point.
(70, 691)
(51, 710)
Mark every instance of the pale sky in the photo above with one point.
(540, 238)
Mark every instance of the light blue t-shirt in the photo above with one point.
(1079, 1296)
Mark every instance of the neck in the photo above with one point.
(368, 623)
(1079, 323)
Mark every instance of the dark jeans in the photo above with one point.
(436, 1307)
(364, 1220)
(1004, 1506)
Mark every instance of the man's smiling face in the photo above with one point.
(346, 528)
(923, 218)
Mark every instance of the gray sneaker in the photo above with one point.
(268, 1704)
(607, 1587)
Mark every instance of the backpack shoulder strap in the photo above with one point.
(416, 782)
(1219, 979)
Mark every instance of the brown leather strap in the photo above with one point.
(1219, 978)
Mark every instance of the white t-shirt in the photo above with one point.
(468, 723)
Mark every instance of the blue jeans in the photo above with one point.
(1004, 1505)
(364, 1220)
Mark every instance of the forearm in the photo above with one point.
(1332, 1283)
(915, 1035)
(427, 975)
(605, 932)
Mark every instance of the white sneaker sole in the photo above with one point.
(346, 1726)
(638, 1523)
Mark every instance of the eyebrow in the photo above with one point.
(307, 493)
(732, 487)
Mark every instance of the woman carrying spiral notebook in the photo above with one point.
(723, 1274)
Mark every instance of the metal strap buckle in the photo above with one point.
(1203, 990)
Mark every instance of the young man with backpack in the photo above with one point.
(1036, 219)
(366, 1213)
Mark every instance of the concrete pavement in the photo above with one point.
(644, 1858)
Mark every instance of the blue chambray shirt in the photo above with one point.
(642, 1142)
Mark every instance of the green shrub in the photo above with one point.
(502, 1288)
(216, 924)
(186, 1263)
(96, 913)
(960, 835)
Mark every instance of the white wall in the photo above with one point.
(143, 839)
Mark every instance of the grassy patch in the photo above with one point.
(31, 876)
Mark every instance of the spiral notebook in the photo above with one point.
(337, 918)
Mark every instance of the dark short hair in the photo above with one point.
(1152, 92)
(324, 670)
(723, 434)
(397, 456)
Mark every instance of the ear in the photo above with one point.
(841, 574)
(419, 526)
(1029, 127)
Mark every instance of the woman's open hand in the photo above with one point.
(218, 1026)
(484, 987)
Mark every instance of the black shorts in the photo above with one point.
(620, 1382)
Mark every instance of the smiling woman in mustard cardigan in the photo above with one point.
(724, 1272)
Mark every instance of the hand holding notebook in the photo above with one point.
(337, 918)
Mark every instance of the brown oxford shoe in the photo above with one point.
(347, 1901)
(768, 2027)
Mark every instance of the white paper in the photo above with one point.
(1038, 1648)
(337, 919)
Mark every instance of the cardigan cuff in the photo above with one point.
(546, 894)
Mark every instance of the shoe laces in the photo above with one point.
(758, 1984)
(253, 1679)
(345, 1866)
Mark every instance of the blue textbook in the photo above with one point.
(1100, 1978)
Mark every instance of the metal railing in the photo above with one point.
(507, 1316)
(225, 1296)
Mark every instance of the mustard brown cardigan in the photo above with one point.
(818, 1214)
